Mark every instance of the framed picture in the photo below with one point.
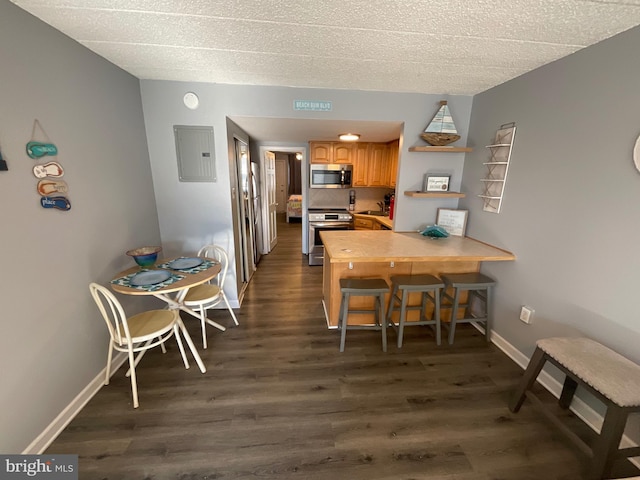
(435, 183)
(453, 221)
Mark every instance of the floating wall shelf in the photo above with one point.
(417, 194)
(431, 148)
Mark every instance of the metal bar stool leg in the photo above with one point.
(488, 306)
(344, 307)
(382, 319)
(403, 316)
(436, 314)
(454, 315)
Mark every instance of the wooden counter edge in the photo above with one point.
(509, 256)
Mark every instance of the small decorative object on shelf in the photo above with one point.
(497, 168)
(435, 183)
(441, 131)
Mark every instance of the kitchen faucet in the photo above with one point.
(381, 206)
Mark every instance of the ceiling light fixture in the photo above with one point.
(349, 137)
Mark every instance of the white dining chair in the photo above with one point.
(208, 295)
(135, 334)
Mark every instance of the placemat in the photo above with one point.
(126, 281)
(200, 268)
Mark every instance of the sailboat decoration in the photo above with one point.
(441, 131)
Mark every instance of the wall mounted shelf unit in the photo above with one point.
(497, 168)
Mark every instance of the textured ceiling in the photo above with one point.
(426, 46)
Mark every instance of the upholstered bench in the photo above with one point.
(609, 376)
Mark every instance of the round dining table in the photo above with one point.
(174, 293)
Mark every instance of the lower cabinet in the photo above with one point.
(360, 223)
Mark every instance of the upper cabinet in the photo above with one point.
(360, 176)
(321, 152)
(378, 175)
(374, 164)
(392, 173)
(343, 152)
(332, 152)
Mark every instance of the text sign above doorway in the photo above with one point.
(314, 105)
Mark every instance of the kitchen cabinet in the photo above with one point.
(332, 152)
(360, 223)
(321, 152)
(371, 165)
(378, 170)
(394, 150)
(369, 222)
(360, 173)
(343, 152)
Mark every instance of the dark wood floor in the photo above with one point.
(279, 401)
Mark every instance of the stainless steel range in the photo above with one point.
(321, 219)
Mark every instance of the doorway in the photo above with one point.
(283, 170)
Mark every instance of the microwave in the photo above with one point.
(330, 176)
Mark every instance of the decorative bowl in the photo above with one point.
(145, 256)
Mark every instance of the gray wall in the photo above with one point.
(53, 340)
(571, 207)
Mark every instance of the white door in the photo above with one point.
(272, 202)
(282, 171)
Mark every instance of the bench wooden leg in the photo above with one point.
(529, 378)
(606, 446)
(568, 389)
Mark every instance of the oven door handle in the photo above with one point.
(329, 224)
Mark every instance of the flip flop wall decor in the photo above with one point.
(40, 149)
(60, 203)
(51, 169)
(48, 187)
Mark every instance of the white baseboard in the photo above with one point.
(40, 444)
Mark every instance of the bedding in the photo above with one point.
(294, 207)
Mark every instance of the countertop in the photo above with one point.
(386, 245)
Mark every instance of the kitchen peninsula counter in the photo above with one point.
(363, 253)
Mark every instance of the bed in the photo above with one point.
(294, 207)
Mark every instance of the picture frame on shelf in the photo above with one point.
(454, 221)
(435, 182)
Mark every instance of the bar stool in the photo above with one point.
(363, 287)
(478, 286)
(429, 286)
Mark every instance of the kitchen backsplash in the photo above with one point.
(366, 198)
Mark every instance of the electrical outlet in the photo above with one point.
(526, 314)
